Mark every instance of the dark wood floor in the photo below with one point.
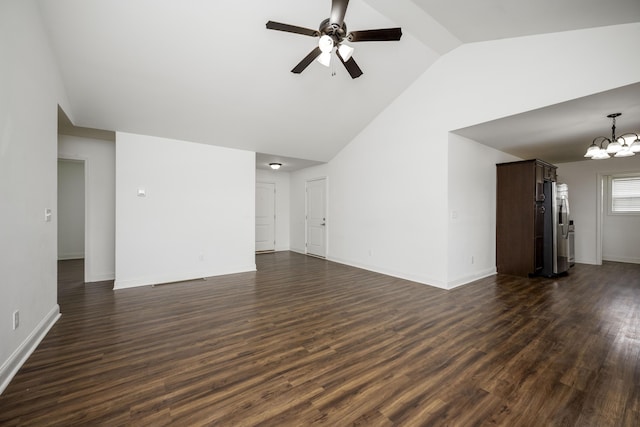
(305, 341)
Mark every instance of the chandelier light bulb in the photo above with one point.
(614, 147)
(601, 155)
(592, 150)
(625, 152)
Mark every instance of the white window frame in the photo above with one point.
(610, 180)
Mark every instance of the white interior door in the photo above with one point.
(265, 216)
(317, 217)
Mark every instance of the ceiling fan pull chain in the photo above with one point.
(333, 64)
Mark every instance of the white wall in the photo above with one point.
(70, 209)
(298, 180)
(281, 181)
(516, 75)
(198, 216)
(389, 194)
(472, 209)
(583, 180)
(100, 168)
(30, 91)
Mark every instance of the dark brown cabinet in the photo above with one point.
(520, 216)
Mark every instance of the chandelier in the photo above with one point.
(617, 146)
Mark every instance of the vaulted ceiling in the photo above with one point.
(209, 71)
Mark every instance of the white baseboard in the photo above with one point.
(100, 277)
(10, 368)
(157, 280)
(621, 259)
(471, 278)
(412, 277)
(415, 278)
(70, 256)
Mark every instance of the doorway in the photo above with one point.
(71, 209)
(316, 218)
(265, 217)
(618, 220)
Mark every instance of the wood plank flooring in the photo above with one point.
(305, 341)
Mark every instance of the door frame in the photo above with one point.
(87, 232)
(602, 204)
(275, 216)
(326, 215)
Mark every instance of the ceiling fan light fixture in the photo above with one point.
(275, 166)
(635, 146)
(332, 32)
(345, 51)
(325, 44)
(325, 58)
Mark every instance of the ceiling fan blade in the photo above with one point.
(351, 66)
(306, 61)
(271, 25)
(338, 10)
(381, 35)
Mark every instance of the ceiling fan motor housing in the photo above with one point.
(334, 31)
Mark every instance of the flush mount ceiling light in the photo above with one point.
(275, 166)
(617, 146)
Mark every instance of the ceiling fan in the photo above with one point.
(333, 34)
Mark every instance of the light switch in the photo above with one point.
(142, 192)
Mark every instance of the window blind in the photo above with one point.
(625, 194)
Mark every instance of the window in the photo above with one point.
(625, 194)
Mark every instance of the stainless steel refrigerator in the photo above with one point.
(556, 223)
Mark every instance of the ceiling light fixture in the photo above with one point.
(275, 166)
(326, 46)
(616, 145)
(325, 58)
(345, 51)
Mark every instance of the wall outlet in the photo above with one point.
(16, 319)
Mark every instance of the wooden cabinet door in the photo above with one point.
(539, 182)
(521, 213)
(539, 237)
